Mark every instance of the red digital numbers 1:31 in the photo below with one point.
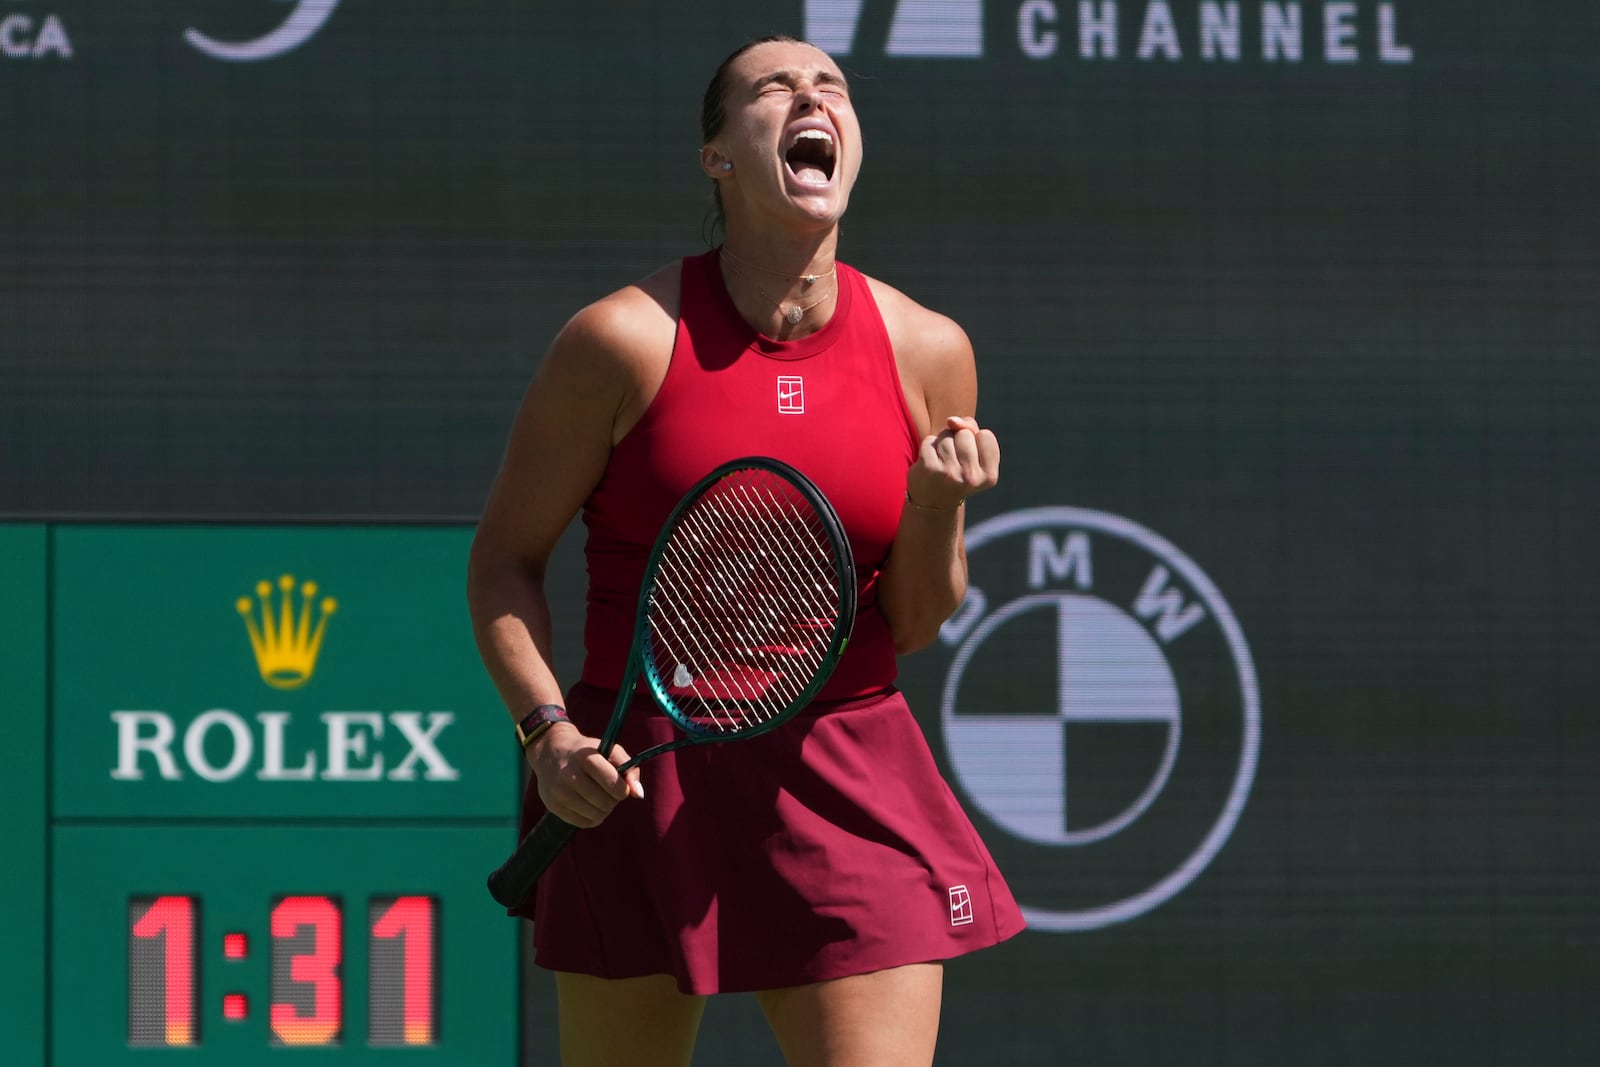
(306, 987)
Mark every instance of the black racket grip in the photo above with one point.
(512, 880)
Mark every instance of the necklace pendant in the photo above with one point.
(809, 280)
(794, 314)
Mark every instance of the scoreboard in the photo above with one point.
(268, 779)
(241, 943)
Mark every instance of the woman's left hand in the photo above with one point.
(952, 464)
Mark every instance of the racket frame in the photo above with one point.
(844, 564)
(514, 879)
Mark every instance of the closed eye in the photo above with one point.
(787, 81)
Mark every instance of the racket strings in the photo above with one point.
(794, 541)
(780, 556)
(745, 604)
(750, 573)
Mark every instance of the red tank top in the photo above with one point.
(831, 405)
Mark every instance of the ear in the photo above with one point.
(713, 163)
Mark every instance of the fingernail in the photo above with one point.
(636, 787)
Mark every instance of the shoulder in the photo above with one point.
(624, 326)
(918, 331)
(932, 352)
(610, 358)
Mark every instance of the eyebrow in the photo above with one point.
(822, 76)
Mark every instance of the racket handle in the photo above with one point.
(513, 879)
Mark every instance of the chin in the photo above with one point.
(825, 210)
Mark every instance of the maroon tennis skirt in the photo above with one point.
(829, 847)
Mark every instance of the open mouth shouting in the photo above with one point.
(810, 153)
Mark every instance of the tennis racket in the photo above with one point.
(748, 599)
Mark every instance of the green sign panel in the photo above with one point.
(22, 788)
(256, 945)
(272, 672)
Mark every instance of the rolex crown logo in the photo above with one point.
(287, 639)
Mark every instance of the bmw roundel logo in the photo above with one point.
(1099, 710)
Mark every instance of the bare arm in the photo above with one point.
(556, 454)
(925, 577)
(554, 457)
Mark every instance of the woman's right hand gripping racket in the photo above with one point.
(747, 603)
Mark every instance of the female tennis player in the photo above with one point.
(824, 866)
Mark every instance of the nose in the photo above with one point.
(808, 99)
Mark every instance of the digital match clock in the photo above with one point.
(246, 945)
(306, 990)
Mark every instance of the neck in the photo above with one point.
(779, 257)
(779, 303)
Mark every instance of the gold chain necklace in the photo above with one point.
(794, 312)
(807, 280)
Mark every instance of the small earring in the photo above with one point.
(727, 165)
